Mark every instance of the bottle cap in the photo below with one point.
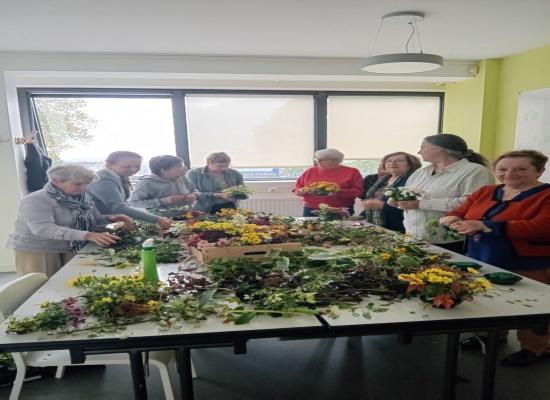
(148, 243)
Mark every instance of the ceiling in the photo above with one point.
(456, 29)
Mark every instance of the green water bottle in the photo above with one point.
(149, 261)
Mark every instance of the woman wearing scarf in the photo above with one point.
(398, 167)
(52, 224)
(112, 190)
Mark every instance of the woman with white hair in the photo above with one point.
(328, 168)
(52, 224)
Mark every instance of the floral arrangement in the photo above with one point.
(328, 213)
(240, 192)
(320, 188)
(233, 233)
(109, 303)
(402, 194)
(445, 287)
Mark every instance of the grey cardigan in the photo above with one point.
(43, 224)
(207, 186)
(109, 197)
(153, 191)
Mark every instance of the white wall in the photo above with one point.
(165, 71)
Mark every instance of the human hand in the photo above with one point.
(300, 192)
(373, 204)
(127, 221)
(392, 202)
(191, 197)
(448, 220)
(469, 227)
(408, 205)
(164, 223)
(102, 238)
(224, 196)
(177, 198)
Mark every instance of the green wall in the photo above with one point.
(483, 109)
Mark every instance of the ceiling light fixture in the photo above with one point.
(402, 63)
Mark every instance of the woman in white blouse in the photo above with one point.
(454, 173)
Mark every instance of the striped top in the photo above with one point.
(442, 193)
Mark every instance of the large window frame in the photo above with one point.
(30, 122)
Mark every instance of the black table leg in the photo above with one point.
(451, 365)
(183, 362)
(488, 388)
(138, 375)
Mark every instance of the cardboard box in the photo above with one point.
(253, 252)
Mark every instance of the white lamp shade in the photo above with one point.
(402, 63)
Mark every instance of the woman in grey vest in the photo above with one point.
(112, 190)
(211, 180)
(53, 223)
(166, 186)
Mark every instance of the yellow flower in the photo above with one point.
(485, 283)
(400, 250)
(385, 256)
(152, 303)
(72, 282)
(130, 297)
(106, 300)
(473, 271)
(45, 304)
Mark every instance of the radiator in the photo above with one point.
(290, 206)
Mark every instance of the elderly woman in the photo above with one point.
(398, 167)
(55, 222)
(211, 180)
(329, 168)
(112, 190)
(508, 226)
(166, 186)
(454, 173)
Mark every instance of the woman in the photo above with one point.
(454, 173)
(57, 221)
(328, 168)
(211, 180)
(371, 179)
(166, 186)
(398, 167)
(508, 226)
(112, 190)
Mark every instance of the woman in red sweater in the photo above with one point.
(508, 226)
(328, 168)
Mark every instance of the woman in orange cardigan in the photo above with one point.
(508, 226)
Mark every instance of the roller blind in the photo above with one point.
(255, 130)
(370, 127)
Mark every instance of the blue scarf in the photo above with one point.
(82, 209)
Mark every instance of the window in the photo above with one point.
(270, 135)
(86, 129)
(365, 128)
(267, 136)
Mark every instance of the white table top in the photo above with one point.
(526, 298)
(57, 288)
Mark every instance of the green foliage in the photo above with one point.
(64, 121)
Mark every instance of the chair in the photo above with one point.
(15, 293)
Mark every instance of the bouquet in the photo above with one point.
(320, 188)
(239, 192)
(445, 287)
(328, 213)
(402, 194)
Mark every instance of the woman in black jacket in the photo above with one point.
(398, 166)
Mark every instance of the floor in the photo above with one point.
(345, 368)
